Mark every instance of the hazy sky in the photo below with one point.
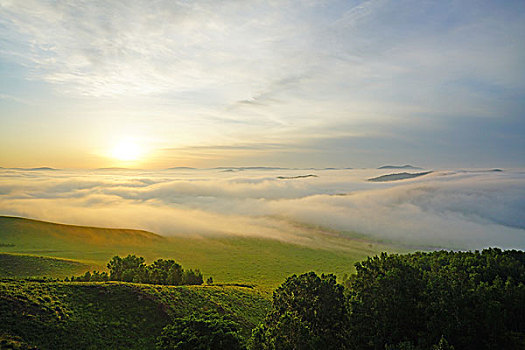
(285, 83)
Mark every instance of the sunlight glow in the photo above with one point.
(126, 151)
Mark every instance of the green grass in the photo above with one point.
(66, 315)
(18, 265)
(264, 262)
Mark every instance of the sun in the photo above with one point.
(126, 151)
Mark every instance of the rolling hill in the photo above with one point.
(64, 315)
(407, 166)
(264, 262)
(22, 265)
(398, 176)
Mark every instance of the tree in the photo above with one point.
(125, 269)
(442, 345)
(386, 301)
(192, 277)
(165, 272)
(200, 333)
(133, 269)
(308, 312)
(466, 300)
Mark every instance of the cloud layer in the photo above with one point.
(454, 209)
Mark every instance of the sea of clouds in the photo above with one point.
(464, 209)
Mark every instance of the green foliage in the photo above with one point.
(133, 269)
(14, 343)
(386, 296)
(192, 277)
(125, 269)
(113, 315)
(442, 345)
(308, 312)
(207, 332)
(408, 345)
(165, 272)
(439, 300)
(96, 276)
(79, 316)
(469, 300)
(21, 265)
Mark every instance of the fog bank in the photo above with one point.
(452, 209)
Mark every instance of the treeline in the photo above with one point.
(438, 300)
(421, 301)
(133, 269)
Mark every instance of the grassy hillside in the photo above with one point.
(61, 315)
(44, 238)
(18, 265)
(260, 261)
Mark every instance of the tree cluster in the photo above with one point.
(439, 300)
(209, 331)
(133, 269)
(308, 312)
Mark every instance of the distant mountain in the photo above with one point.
(295, 177)
(481, 171)
(34, 169)
(248, 168)
(42, 168)
(399, 167)
(181, 168)
(396, 177)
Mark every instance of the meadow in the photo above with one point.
(40, 309)
(265, 289)
(255, 260)
(67, 315)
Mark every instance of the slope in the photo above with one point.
(61, 315)
(264, 262)
(21, 265)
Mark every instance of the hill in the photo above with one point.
(264, 262)
(407, 166)
(19, 265)
(296, 177)
(397, 177)
(62, 315)
(15, 230)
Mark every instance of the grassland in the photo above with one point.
(19, 265)
(263, 262)
(66, 315)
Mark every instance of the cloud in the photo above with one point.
(254, 52)
(192, 73)
(454, 209)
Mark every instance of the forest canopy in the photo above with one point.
(437, 300)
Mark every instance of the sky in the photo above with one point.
(461, 209)
(158, 84)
